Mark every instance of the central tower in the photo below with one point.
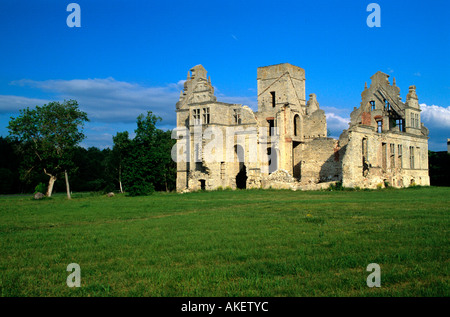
(278, 85)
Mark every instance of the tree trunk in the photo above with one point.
(51, 182)
(120, 179)
(67, 185)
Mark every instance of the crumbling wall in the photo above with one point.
(315, 125)
(320, 161)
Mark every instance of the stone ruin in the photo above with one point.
(285, 145)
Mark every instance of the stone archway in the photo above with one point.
(241, 176)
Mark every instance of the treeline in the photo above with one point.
(98, 170)
(439, 168)
(91, 172)
(42, 154)
(94, 170)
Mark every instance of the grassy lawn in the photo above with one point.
(228, 243)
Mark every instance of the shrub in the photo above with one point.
(336, 186)
(140, 189)
(6, 181)
(109, 188)
(40, 188)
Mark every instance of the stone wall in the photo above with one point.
(320, 161)
(389, 159)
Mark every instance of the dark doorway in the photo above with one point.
(296, 125)
(271, 127)
(241, 177)
(202, 184)
(296, 162)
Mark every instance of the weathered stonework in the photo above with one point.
(285, 145)
(386, 143)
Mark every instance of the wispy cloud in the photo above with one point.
(109, 100)
(12, 104)
(111, 105)
(100, 140)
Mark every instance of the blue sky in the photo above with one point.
(132, 56)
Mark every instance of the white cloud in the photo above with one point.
(340, 112)
(437, 120)
(336, 124)
(10, 103)
(435, 116)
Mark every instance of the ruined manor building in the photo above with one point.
(285, 145)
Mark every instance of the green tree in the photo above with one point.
(9, 166)
(140, 163)
(147, 163)
(166, 173)
(91, 172)
(51, 133)
(439, 168)
(118, 154)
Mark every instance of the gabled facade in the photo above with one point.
(386, 141)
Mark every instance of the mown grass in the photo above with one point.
(228, 243)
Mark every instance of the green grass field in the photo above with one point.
(228, 243)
